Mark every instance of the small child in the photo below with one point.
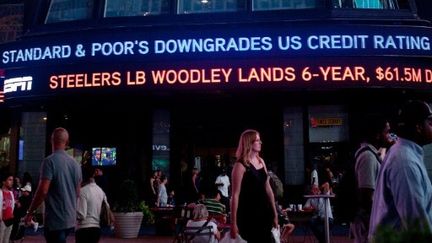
(286, 226)
(21, 207)
(171, 199)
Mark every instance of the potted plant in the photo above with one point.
(127, 212)
(148, 217)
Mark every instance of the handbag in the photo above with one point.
(106, 216)
(227, 239)
(276, 234)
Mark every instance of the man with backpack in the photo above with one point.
(376, 134)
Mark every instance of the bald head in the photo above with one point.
(59, 138)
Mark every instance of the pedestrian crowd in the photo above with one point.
(392, 187)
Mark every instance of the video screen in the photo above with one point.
(104, 156)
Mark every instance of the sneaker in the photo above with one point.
(35, 226)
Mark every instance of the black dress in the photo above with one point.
(254, 214)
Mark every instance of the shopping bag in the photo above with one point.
(227, 239)
(106, 216)
(276, 234)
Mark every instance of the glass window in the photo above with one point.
(369, 4)
(294, 162)
(161, 141)
(328, 124)
(67, 10)
(4, 150)
(377, 4)
(117, 8)
(33, 130)
(208, 6)
(286, 4)
(11, 21)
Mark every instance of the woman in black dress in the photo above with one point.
(253, 211)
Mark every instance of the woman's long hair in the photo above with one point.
(244, 147)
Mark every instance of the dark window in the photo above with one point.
(210, 6)
(68, 10)
(118, 8)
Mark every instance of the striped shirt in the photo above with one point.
(213, 206)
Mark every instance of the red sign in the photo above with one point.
(326, 122)
(1, 97)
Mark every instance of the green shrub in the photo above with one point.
(416, 233)
(148, 217)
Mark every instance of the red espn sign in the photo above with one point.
(1, 97)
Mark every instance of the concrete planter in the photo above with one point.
(127, 225)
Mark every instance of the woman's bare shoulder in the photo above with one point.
(239, 167)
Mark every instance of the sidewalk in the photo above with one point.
(107, 239)
(146, 235)
(298, 237)
(169, 239)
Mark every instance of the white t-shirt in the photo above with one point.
(223, 179)
(314, 178)
(89, 206)
(203, 238)
(163, 196)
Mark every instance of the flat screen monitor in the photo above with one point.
(104, 156)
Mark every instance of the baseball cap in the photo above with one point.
(414, 112)
(26, 188)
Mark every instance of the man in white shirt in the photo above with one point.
(89, 209)
(314, 176)
(223, 183)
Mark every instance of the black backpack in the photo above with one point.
(347, 200)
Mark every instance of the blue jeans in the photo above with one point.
(57, 236)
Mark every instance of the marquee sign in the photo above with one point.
(304, 56)
(317, 73)
(2, 76)
(198, 42)
(289, 45)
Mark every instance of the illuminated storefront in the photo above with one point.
(187, 76)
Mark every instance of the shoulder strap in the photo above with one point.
(199, 230)
(364, 149)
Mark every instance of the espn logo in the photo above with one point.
(19, 83)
